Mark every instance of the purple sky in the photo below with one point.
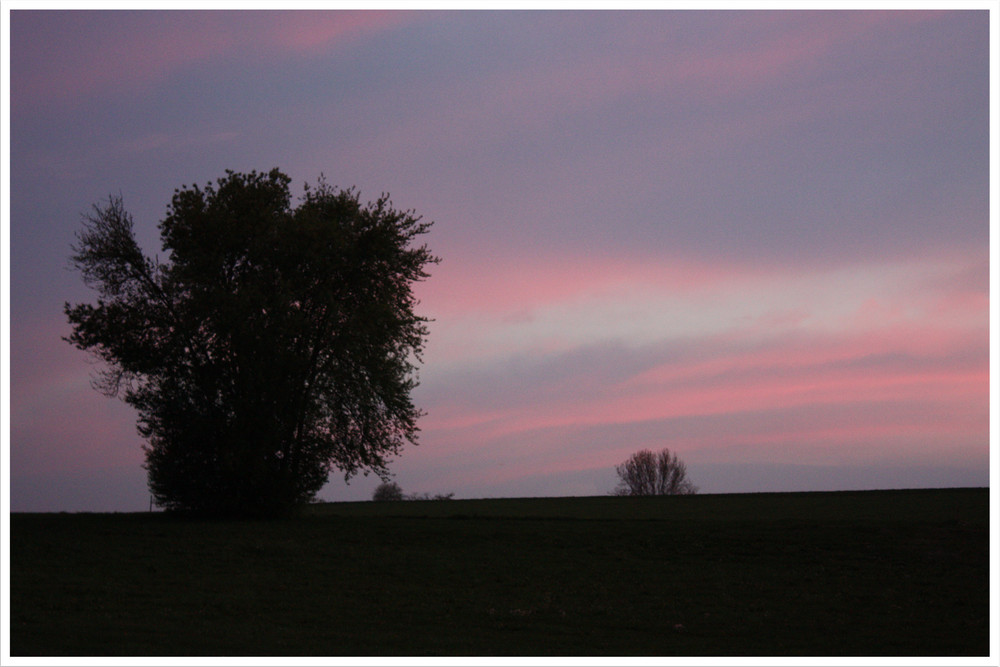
(760, 239)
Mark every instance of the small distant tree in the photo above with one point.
(387, 491)
(646, 473)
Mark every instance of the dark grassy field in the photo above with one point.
(854, 573)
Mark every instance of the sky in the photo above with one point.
(761, 239)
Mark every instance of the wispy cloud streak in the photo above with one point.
(79, 56)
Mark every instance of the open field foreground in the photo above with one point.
(850, 573)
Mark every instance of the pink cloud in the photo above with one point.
(58, 422)
(136, 49)
(546, 305)
(805, 40)
(899, 369)
(839, 418)
(761, 49)
(515, 285)
(316, 32)
(74, 431)
(763, 391)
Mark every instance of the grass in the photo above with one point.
(895, 573)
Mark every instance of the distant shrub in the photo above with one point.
(387, 491)
(427, 496)
(391, 491)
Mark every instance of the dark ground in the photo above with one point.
(878, 573)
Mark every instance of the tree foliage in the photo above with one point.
(646, 473)
(275, 344)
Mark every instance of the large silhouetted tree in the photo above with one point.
(646, 473)
(273, 344)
